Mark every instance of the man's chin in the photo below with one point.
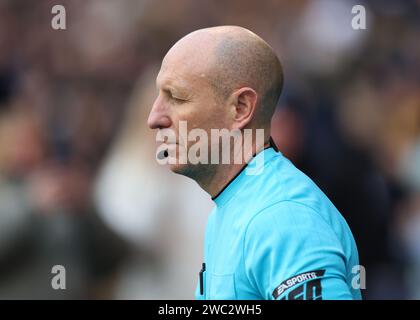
(179, 168)
(183, 169)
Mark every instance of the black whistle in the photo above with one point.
(201, 278)
(163, 154)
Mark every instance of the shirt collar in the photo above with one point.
(244, 174)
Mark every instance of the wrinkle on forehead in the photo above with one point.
(183, 72)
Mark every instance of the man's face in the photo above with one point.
(185, 94)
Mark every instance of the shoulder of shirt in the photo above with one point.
(288, 186)
(283, 208)
(285, 217)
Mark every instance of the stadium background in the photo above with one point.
(79, 186)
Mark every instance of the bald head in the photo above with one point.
(231, 57)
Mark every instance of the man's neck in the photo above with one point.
(225, 173)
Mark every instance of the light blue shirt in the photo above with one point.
(276, 235)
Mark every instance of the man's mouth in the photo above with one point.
(165, 152)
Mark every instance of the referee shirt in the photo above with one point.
(276, 235)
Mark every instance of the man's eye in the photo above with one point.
(175, 99)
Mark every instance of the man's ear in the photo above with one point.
(244, 106)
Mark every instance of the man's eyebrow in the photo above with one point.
(168, 85)
(164, 84)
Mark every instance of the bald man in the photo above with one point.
(273, 234)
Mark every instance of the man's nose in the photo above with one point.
(159, 117)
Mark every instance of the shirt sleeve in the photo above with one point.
(291, 253)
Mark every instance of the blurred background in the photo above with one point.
(79, 185)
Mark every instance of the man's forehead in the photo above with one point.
(180, 75)
(170, 77)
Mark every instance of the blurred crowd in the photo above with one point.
(79, 185)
